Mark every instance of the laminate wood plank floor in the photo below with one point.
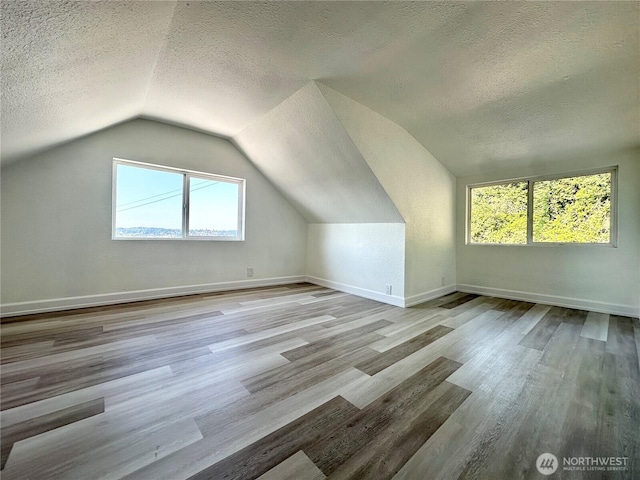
(303, 382)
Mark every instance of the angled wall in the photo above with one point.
(421, 188)
(302, 148)
(57, 249)
(356, 236)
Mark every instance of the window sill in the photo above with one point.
(542, 244)
(190, 239)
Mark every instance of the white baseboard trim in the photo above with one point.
(430, 295)
(68, 303)
(361, 292)
(577, 303)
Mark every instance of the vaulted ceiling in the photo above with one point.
(480, 84)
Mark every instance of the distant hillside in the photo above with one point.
(156, 232)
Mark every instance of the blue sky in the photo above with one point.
(153, 198)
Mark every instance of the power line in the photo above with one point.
(166, 198)
(160, 194)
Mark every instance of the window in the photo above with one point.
(154, 202)
(577, 209)
(499, 213)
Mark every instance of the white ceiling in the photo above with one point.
(71, 68)
(303, 148)
(480, 85)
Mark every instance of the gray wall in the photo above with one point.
(421, 188)
(596, 276)
(56, 220)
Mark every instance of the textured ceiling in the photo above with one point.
(480, 84)
(71, 68)
(302, 147)
(498, 84)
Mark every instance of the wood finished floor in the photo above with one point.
(301, 382)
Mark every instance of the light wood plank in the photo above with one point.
(236, 342)
(297, 467)
(529, 320)
(106, 390)
(210, 450)
(596, 326)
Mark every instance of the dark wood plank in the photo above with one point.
(74, 344)
(504, 305)
(314, 368)
(437, 302)
(403, 350)
(121, 308)
(261, 456)
(283, 317)
(582, 414)
(621, 337)
(351, 314)
(539, 335)
(65, 377)
(459, 301)
(178, 337)
(77, 335)
(337, 446)
(385, 455)
(619, 397)
(636, 328)
(173, 323)
(321, 357)
(533, 421)
(188, 365)
(70, 329)
(513, 310)
(36, 426)
(325, 294)
(574, 317)
(292, 381)
(140, 304)
(334, 341)
(34, 335)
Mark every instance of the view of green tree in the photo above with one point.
(576, 209)
(565, 210)
(499, 213)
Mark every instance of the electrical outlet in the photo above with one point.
(442, 281)
(249, 271)
(388, 289)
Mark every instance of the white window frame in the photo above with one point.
(187, 175)
(613, 230)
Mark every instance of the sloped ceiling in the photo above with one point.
(480, 84)
(302, 147)
(71, 68)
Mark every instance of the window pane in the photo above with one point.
(148, 203)
(576, 210)
(213, 208)
(499, 214)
